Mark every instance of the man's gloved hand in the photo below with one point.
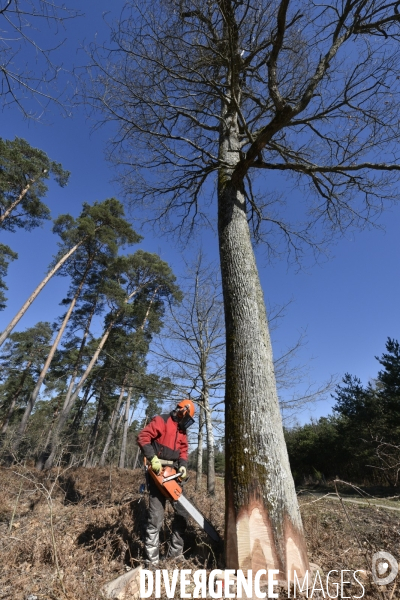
(182, 471)
(155, 464)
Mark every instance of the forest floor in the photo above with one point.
(66, 533)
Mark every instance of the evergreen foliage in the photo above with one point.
(23, 174)
(21, 166)
(361, 440)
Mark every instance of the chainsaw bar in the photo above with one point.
(171, 477)
(192, 511)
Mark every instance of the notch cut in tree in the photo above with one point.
(230, 89)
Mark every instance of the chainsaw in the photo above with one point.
(169, 482)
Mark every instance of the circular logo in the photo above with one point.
(384, 568)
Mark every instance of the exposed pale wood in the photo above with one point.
(125, 587)
(255, 542)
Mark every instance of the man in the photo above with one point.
(164, 442)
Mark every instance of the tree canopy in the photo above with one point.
(312, 91)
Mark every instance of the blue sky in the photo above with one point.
(347, 305)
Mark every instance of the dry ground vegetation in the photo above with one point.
(65, 533)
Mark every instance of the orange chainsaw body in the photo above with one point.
(170, 489)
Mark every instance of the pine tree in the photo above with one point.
(23, 174)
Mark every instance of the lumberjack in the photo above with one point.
(164, 442)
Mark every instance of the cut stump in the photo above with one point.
(125, 587)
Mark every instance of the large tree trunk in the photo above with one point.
(113, 422)
(36, 292)
(263, 528)
(125, 431)
(199, 458)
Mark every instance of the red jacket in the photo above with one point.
(163, 437)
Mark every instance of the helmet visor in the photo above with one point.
(185, 422)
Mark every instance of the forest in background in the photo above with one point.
(360, 441)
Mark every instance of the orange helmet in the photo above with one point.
(186, 407)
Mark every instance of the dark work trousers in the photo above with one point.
(154, 524)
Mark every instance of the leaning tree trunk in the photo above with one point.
(263, 528)
(210, 445)
(68, 405)
(46, 366)
(14, 204)
(37, 291)
(65, 412)
(80, 354)
(125, 431)
(199, 458)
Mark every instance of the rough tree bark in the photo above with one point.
(263, 523)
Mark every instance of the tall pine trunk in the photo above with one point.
(263, 524)
(67, 409)
(52, 438)
(42, 453)
(125, 431)
(90, 461)
(14, 204)
(37, 291)
(79, 358)
(67, 406)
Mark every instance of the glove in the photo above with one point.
(155, 464)
(182, 471)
